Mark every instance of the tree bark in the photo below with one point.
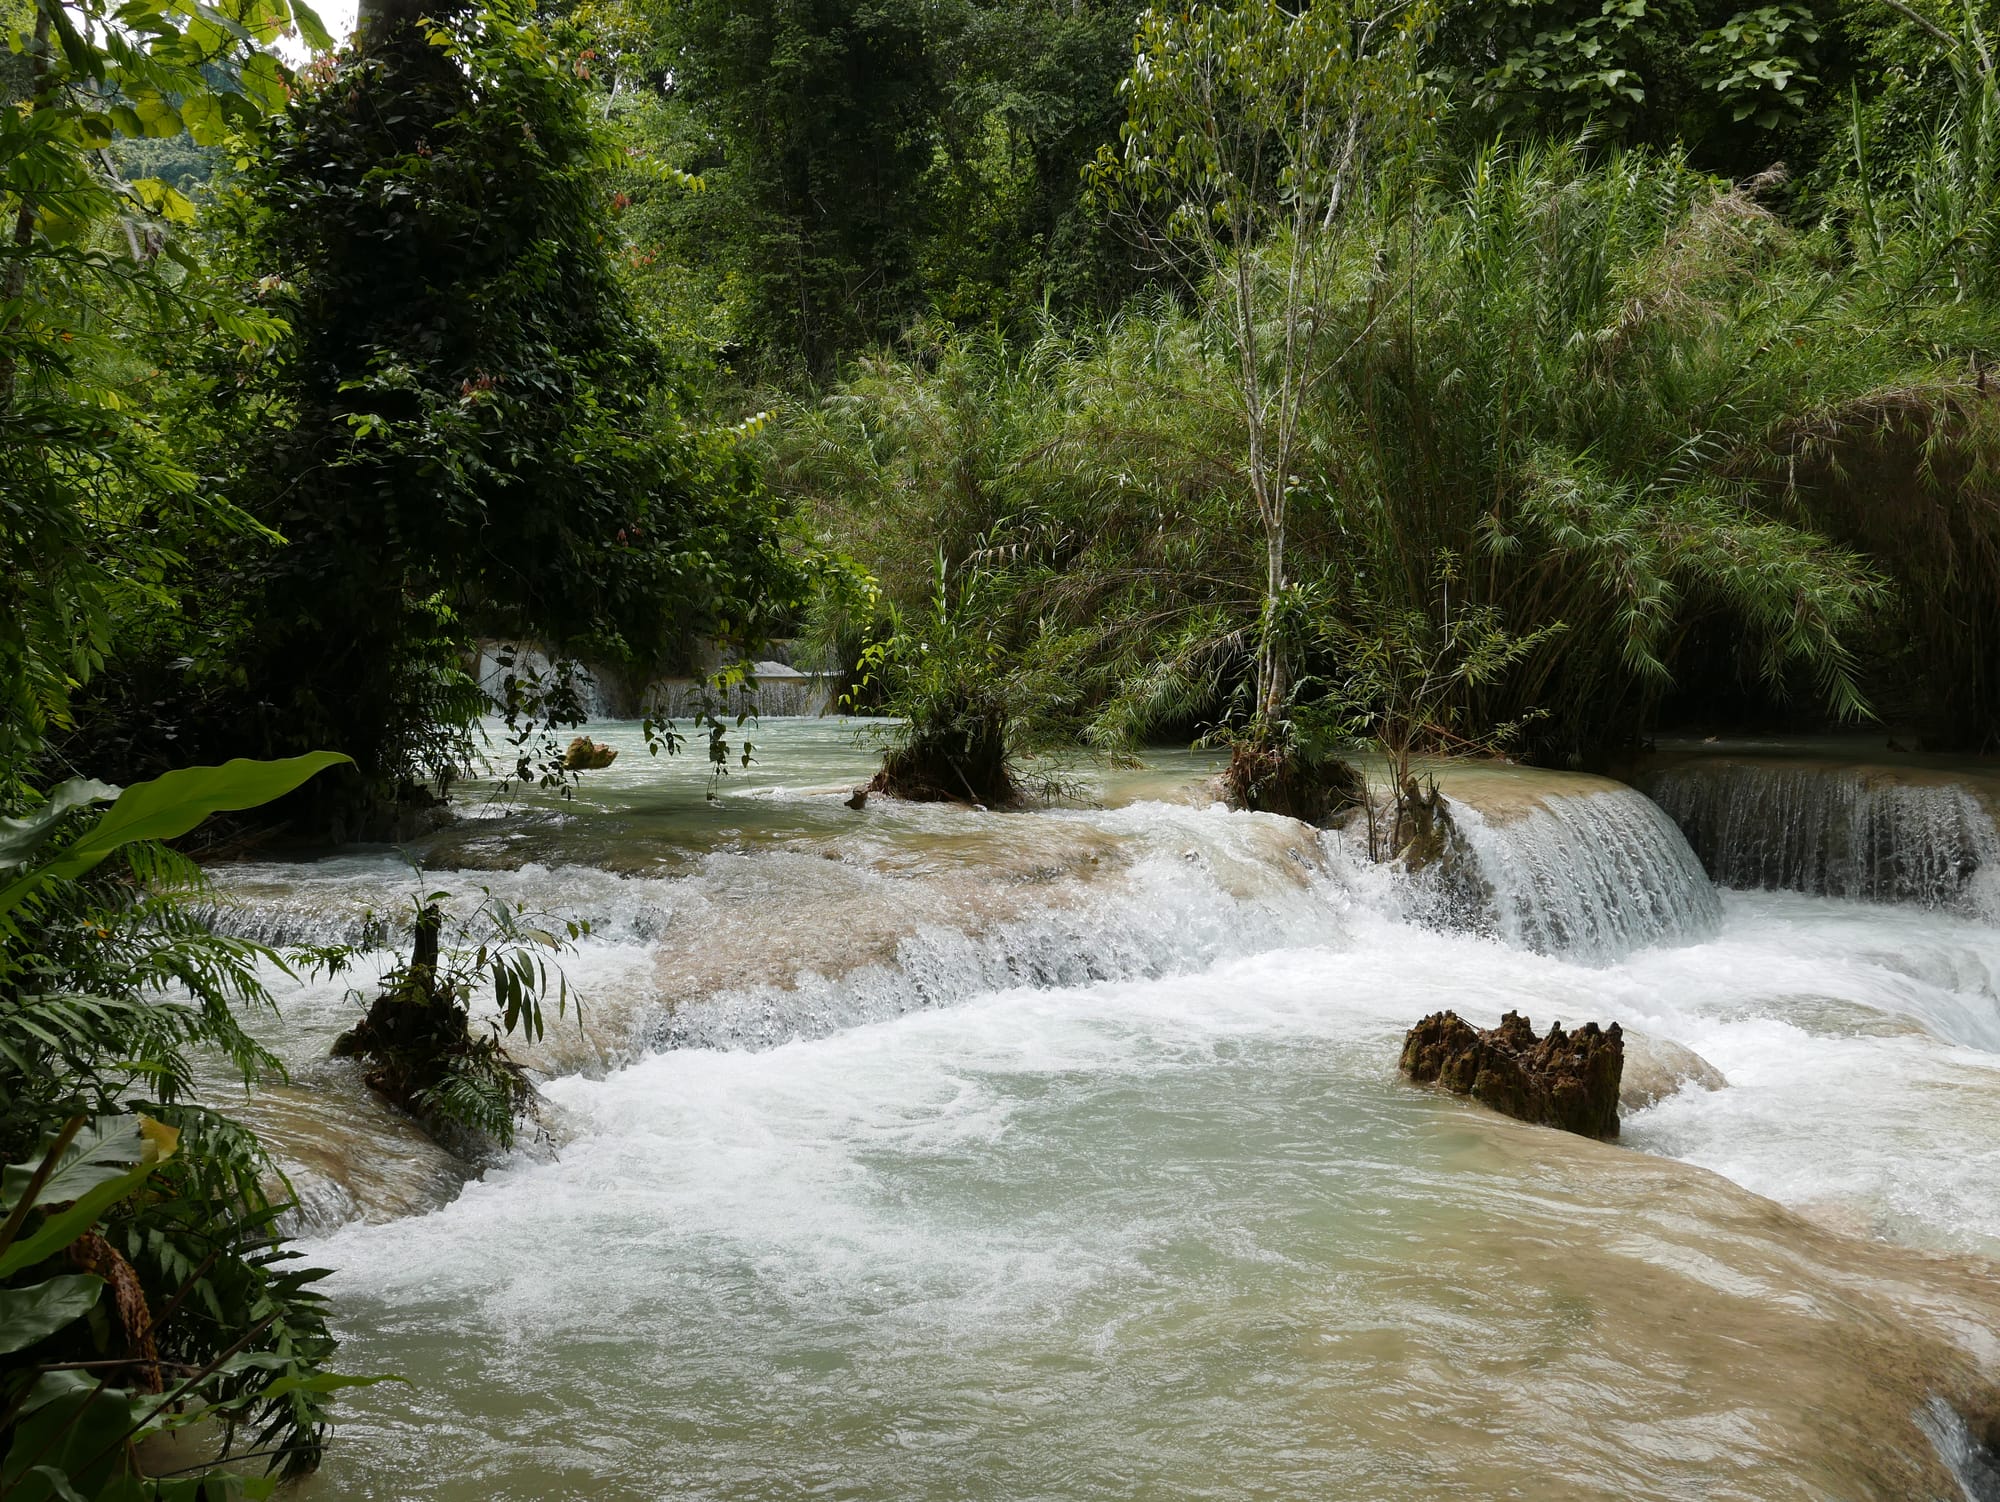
(1271, 670)
(377, 19)
(16, 280)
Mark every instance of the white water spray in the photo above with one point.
(1592, 876)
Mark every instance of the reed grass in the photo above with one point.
(1733, 456)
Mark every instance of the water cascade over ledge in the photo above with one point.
(1868, 833)
(1593, 873)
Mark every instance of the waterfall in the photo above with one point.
(1855, 832)
(1590, 875)
(751, 949)
(498, 659)
(776, 690)
(779, 691)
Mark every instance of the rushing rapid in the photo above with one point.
(928, 1152)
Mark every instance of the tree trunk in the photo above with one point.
(377, 19)
(1271, 686)
(16, 280)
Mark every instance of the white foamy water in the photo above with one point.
(1145, 1238)
(926, 1153)
(1590, 877)
(1876, 833)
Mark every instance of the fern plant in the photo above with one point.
(142, 1281)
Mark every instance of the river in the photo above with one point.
(921, 1152)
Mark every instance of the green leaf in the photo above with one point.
(57, 1483)
(103, 1149)
(159, 115)
(321, 1382)
(37, 1312)
(68, 1439)
(311, 28)
(163, 200)
(19, 837)
(264, 84)
(70, 1222)
(169, 806)
(206, 124)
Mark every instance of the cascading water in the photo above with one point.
(498, 661)
(750, 950)
(1872, 834)
(1593, 875)
(778, 691)
(912, 1151)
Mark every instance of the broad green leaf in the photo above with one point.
(70, 1222)
(159, 115)
(169, 806)
(202, 114)
(71, 1431)
(163, 200)
(19, 837)
(103, 1149)
(265, 84)
(311, 28)
(38, 1311)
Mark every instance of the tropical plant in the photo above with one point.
(421, 1047)
(942, 671)
(466, 430)
(1639, 70)
(89, 262)
(1403, 677)
(1256, 133)
(1627, 399)
(869, 166)
(1904, 466)
(142, 1283)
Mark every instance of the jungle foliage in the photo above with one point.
(420, 1047)
(1621, 407)
(253, 496)
(865, 165)
(143, 1284)
(463, 427)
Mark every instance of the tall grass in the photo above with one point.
(1731, 457)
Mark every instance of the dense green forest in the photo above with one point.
(1527, 376)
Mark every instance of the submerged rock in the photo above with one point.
(1656, 1068)
(1566, 1080)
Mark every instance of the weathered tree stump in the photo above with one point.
(1279, 778)
(1566, 1080)
(587, 755)
(961, 759)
